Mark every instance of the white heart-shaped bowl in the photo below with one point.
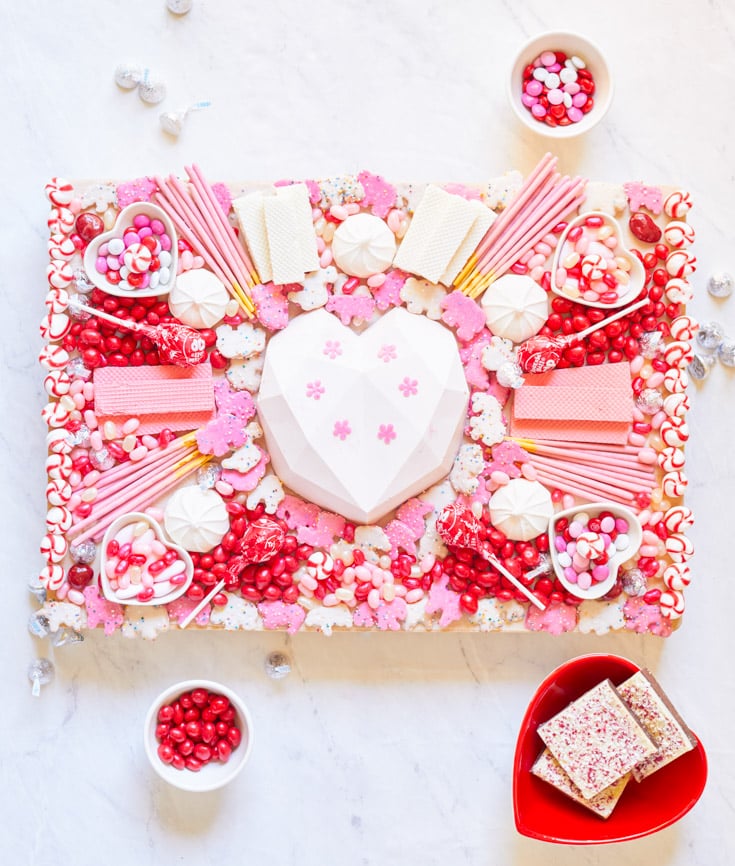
(214, 774)
(593, 509)
(571, 44)
(637, 272)
(137, 517)
(124, 219)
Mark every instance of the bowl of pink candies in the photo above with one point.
(559, 85)
(138, 257)
(589, 543)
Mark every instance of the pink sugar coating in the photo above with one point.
(277, 614)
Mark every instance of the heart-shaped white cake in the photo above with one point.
(358, 423)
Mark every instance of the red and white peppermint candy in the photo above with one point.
(674, 484)
(319, 565)
(674, 432)
(679, 547)
(55, 326)
(59, 191)
(60, 274)
(138, 258)
(59, 465)
(678, 291)
(684, 328)
(677, 576)
(678, 204)
(678, 518)
(53, 357)
(61, 247)
(58, 519)
(56, 413)
(593, 266)
(677, 405)
(57, 300)
(57, 383)
(590, 545)
(670, 459)
(57, 444)
(681, 263)
(678, 234)
(58, 492)
(676, 380)
(52, 576)
(60, 221)
(678, 354)
(54, 547)
(672, 604)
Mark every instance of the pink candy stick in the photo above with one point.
(219, 236)
(151, 470)
(580, 473)
(153, 456)
(205, 189)
(130, 500)
(182, 203)
(585, 489)
(538, 223)
(584, 446)
(531, 184)
(202, 604)
(163, 199)
(590, 457)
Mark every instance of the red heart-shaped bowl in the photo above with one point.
(542, 812)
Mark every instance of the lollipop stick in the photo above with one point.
(202, 604)
(512, 578)
(619, 315)
(100, 314)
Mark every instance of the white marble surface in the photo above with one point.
(376, 750)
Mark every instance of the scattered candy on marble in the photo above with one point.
(721, 284)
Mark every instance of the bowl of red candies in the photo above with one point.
(198, 735)
(559, 85)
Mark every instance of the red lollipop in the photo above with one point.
(262, 539)
(177, 344)
(540, 354)
(458, 527)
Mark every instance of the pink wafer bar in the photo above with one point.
(582, 404)
(179, 398)
(596, 739)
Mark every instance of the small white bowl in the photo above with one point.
(124, 219)
(214, 774)
(592, 509)
(637, 272)
(136, 517)
(571, 44)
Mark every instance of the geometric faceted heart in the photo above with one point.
(542, 812)
(359, 423)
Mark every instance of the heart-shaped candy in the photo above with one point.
(139, 535)
(136, 256)
(542, 812)
(593, 267)
(620, 543)
(360, 423)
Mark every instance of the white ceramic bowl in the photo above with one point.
(135, 517)
(214, 774)
(637, 272)
(593, 509)
(124, 219)
(571, 44)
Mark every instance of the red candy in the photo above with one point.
(188, 736)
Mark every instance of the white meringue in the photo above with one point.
(521, 509)
(515, 307)
(196, 519)
(363, 245)
(198, 298)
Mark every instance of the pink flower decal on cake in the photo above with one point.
(332, 348)
(387, 433)
(342, 429)
(387, 353)
(315, 389)
(409, 387)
